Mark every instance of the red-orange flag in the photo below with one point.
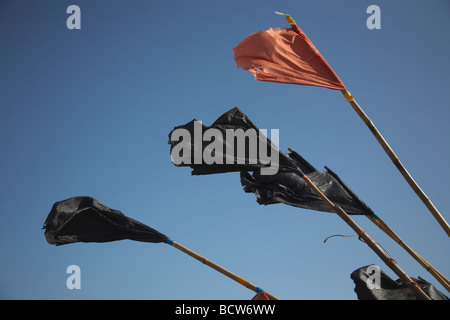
(286, 56)
(262, 295)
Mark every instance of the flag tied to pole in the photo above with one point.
(231, 144)
(287, 184)
(85, 219)
(291, 189)
(286, 56)
(372, 283)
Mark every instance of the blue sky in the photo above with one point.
(88, 112)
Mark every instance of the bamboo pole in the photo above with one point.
(391, 263)
(425, 264)
(388, 231)
(220, 269)
(413, 184)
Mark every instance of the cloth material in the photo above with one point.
(290, 188)
(285, 56)
(234, 120)
(389, 289)
(85, 219)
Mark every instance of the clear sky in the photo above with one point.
(88, 112)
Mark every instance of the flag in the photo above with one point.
(261, 296)
(290, 188)
(85, 219)
(371, 283)
(286, 56)
(231, 144)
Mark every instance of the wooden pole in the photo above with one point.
(387, 230)
(222, 270)
(437, 215)
(391, 263)
(434, 272)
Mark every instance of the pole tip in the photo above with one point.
(290, 20)
(288, 17)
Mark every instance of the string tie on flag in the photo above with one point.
(348, 96)
(288, 17)
(391, 260)
(342, 235)
(416, 287)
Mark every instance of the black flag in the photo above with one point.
(290, 188)
(85, 219)
(286, 185)
(231, 144)
(371, 283)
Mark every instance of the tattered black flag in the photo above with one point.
(290, 188)
(231, 144)
(85, 219)
(192, 145)
(371, 283)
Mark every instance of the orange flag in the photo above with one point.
(261, 296)
(286, 56)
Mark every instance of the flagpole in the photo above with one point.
(437, 215)
(388, 231)
(425, 264)
(391, 263)
(220, 269)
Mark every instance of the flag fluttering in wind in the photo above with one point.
(85, 219)
(291, 189)
(369, 286)
(261, 296)
(296, 193)
(286, 56)
(231, 144)
(286, 185)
